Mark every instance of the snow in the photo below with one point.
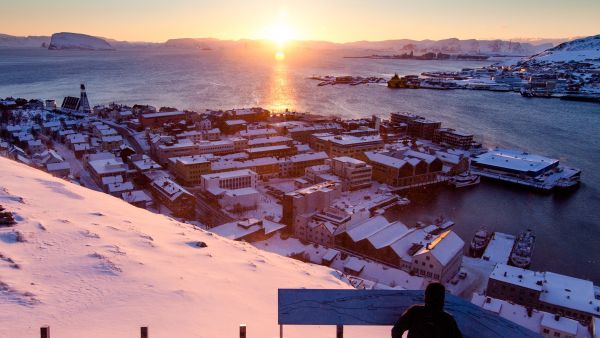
(517, 276)
(587, 48)
(94, 265)
(562, 324)
(499, 248)
(78, 41)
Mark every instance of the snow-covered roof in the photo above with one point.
(499, 248)
(268, 140)
(58, 166)
(169, 188)
(268, 148)
(307, 157)
(367, 228)
(164, 114)
(108, 166)
(514, 160)
(558, 323)
(517, 276)
(136, 196)
(355, 264)
(388, 235)
(350, 139)
(385, 159)
(235, 122)
(444, 247)
(330, 254)
(570, 292)
(229, 174)
(119, 187)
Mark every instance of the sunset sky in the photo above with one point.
(332, 20)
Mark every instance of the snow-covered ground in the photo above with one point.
(94, 266)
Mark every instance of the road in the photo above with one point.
(126, 133)
(77, 169)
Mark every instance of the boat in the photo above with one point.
(522, 250)
(479, 242)
(464, 180)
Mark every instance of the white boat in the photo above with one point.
(522, 250)
(464, 180)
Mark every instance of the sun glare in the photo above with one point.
(279, 55)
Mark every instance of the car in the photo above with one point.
(454, 281)
(462, 275)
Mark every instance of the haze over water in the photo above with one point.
(565, 225)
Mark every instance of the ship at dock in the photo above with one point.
(479, 242)
(522, 250)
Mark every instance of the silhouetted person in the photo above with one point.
(429, 320)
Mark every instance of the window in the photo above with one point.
(556, 334)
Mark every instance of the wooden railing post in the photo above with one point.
(339, 331)
(144, 332)
(45, 332)
(280, 330)
(242, 330)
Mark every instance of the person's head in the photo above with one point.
(434, 295)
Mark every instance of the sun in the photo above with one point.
(279, 55)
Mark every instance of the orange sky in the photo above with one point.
(332, 20)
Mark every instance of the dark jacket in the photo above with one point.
(426, 322)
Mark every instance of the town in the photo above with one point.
(315, 188)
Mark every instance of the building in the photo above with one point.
(417, 126)
(228, 180)
(77, 104)
(35, 146)
(439, 259)
(59, 169)
(544, 323)
(452, 138)
(355, 174)
(275, 151)
(432, 252)
(405, 168)
(264, 167)
(156, 120)
(254, 133)
(139, 198)
(248, 230)
(234, 190)
(547, 291)
(346, 145)
(180, 201)
(296, 165)
(270, 141)
(300, 205)
(514, 162)
(104, 164)
(189, 169)
(110, 143)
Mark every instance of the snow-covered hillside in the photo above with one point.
(90, 265)
(587, 48)
(78, 41)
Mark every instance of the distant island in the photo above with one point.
(60, 41)
(426, 56)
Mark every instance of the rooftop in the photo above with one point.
(515, 160)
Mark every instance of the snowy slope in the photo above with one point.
(587, 48)
(78, 41)
(94, 266)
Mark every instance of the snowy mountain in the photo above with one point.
(77, 41)
(587, 48)
(89, 264)
(23, 41)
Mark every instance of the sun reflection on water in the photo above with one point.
(281, 94)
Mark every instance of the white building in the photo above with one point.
(355, 174)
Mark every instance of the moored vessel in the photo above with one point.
(522, 250)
